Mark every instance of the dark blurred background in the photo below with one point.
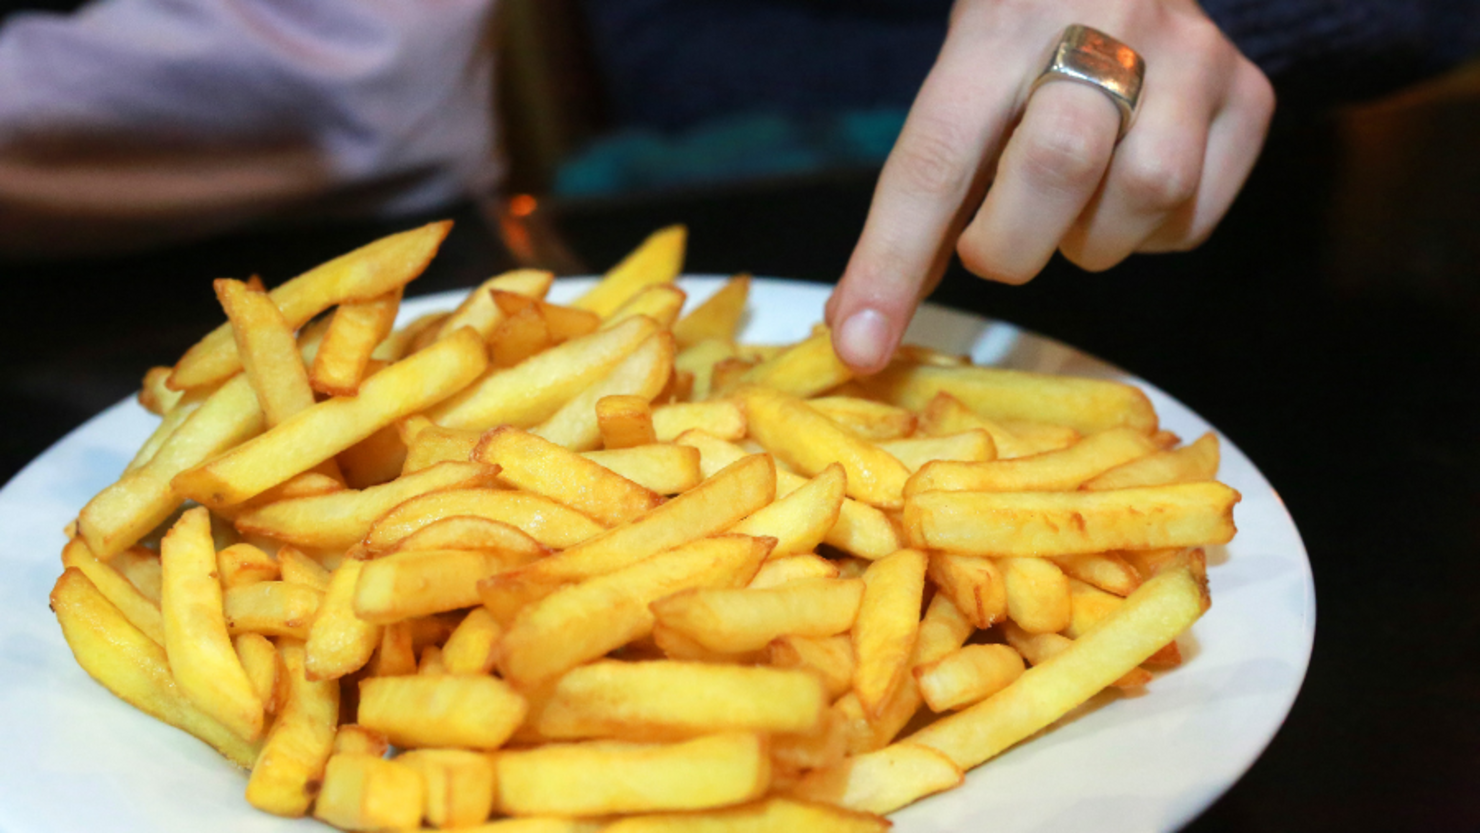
(1331, 328)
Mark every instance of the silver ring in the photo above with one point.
(1092, 57)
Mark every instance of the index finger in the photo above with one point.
(930, 175)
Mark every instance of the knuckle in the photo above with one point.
(977, 259)
(1064, 156)
(1161, 182)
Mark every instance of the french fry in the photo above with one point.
(259, 658)
(468, 532)
(529, 393)
(664, 468)
(134, 667)
(360, 275)
(774, 815)
(657, 260)
(364, 792)
(974, 446)
(888, 622)
(799, 521)
(625, 421)
(428, 444)
(459, 785)
(470, 648)
(315, 435)
(172, 420)
(140, 611)
(267, 349)
(340, 519)
(286, 775)
(966, 676)
(480, 309)
(1037, 594)
(1190, 464)
(396, 654)
(871, 420)
(583, 621)
(241, 564)
(778, 571)
(352, 737)
(354, 332)
(717, 318)
(447, 710)
(564, 322)
(412, 583)
(711, 507)
(974, 585)
(700, 359)
(803, 370)
(660, 302)
(1087, 405)
(547, 522)
(945, 415)
(123, 513)
(1039, 648)
(576, 779)
(829, 657)
(296, 567)
(722, 418)
(1050, 471)
(1159, 611)
(154, 396)
(884, 780)
(140, 566)
(1071, 523)
(666, 700)
(276, 608)
(200, 652)
(534, 464)
(641, 374)
(747, 620)
(519, 336)
(1109, 571)
(339, 642)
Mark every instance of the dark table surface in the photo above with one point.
(1355, 393)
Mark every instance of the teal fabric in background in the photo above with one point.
(728, 150)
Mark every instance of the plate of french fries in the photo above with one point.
(634, 552)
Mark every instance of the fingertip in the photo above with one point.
(865, 340)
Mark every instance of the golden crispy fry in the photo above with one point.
(354, 332)
(778, 571)
(1070, 523)
(298, 568)
(200, 652)
(259, 658)
(286, 775)
(700, 360)
(712, 506)
(659, 259)
(1154, 615)
(480, 310)
(884, 780)
(1050, 471)
(1090, 605)
(412, 583)
(459, 785)
(360, 275)
(974, 584)
(468, 532)
(829, 657)
(660, 302)
(544, 520)
(123, 513)
(805, 369)
(428, 444)
(564, 322)
(189, 402)
(871, 420)
(1109, 571)
(534, 464)
(1037, 594)
(352, 737)
(581, 622)
(340, 519)
(276, 608)
(946, 415)
(1038, 648)
(887, 624)
(664, 468)
(774, 815)
(718, 317)
(519, 336)
(241, 564)
(140, 611)
(267, 349)
(339, 642)
(722, 418)
(396, 654)
(599, 778)
(141, 567)
(747, 620)
(364, 792)
(470, 648)
(154, 396)
(447, 710)
(625, 421)
(1189, 464)
(860, 529)
(1086, 405)
(132, 666)
(974, 446)
(641, 374)
(532, 391)
(809, 442)
(973, 673)
(666, 700)
(327, 428)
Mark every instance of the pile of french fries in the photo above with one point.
(598, 566)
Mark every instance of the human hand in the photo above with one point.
(1058, 178)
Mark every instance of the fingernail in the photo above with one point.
(863, 339)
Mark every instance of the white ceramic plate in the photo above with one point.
(80, 759)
